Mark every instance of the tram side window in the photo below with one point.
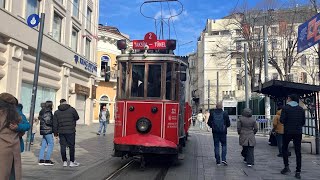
(137, 85)
(123, 79)
(168, 81)
(154, 81)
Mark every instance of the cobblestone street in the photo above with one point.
(198, 164)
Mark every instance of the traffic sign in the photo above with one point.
(33, 20)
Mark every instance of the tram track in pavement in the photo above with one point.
(154, 170)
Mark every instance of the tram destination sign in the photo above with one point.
(150, 40)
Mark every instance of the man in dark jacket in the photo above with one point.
(219, 122)
(64, 126)
(293, 119)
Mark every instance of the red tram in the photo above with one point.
(152, 114)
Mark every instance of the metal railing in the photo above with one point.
(265, 125)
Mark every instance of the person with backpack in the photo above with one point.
(293, 119)
(247, 128)
(219, 122)
(46, 130)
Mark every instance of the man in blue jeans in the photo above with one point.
(219, 122)
(104, 118)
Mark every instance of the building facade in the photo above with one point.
(106, 56)
(67, 66)
(220, 49)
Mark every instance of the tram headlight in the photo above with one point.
(143, 125)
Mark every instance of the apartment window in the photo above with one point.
(88, 43)
(274, 44)
(238, 32)
(2, 3)
(304, 77)
(238, 46)
(316, 61)
(105, 59)
(59, 1)
(275, 76)
(257, 62)
(32, 7)
(225, 32)
(239, 62)
(89, 14)
(56, 28)
(74, 39)
(257, 31)
(76, 8)
(239, 81)
(291, 77)
(274, 30)
(303, 60)
(214, 33)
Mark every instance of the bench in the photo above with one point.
(308, 142)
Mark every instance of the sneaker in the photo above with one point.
(74, 164)
(48, 163)
(249, 165)
(298, 176)
(41, 162)
(31, 143)
(218, 164)
(104, 134)
(225, 163)
(280, 155)
(65, 163)
(98, 134)
(285, 170)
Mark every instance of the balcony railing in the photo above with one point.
(113, 76)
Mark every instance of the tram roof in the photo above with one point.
(153, 57)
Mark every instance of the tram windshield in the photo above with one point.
(147, 80)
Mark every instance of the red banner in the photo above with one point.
(150, 40)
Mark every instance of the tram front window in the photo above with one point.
(168, 81)
(137, 85)
(154, 81)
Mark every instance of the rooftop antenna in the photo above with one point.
(162, 20)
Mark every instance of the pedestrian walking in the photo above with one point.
(10, 150)
(104, 117)
(194, 119)
(278, 128)
(64, 126)
(200, 118)
(206, 119)
(219, 122)
(23, 126)
(247, 128)
(35, 128)
(293, 119)
(46, 130)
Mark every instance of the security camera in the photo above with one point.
(146, 47)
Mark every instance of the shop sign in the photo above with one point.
(83, 90)
(89, 66)
(94, 92)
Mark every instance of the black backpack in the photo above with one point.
(218, 122)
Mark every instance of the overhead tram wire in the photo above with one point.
(174, 25)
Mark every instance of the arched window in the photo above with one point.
(104, 98)
(105, 62)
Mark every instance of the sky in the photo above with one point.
(185, 28)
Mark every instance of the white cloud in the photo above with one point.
(173, 15)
